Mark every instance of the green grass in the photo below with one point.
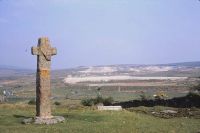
(88, 120)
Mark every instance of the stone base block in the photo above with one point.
(47, 121)
(112, 108)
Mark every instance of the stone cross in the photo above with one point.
(44, 51)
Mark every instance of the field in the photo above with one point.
(23, 87)
(141, 117)
(88, 120)
(122, 82)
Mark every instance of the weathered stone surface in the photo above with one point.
(47, 121)
(43, 93)
(53, 120)
(44, 51)
(112, 108)
(169, 111)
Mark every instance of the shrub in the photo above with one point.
(195, 89)
(32, 102)
(160, 95)
(87, 102)
(57, 103)
(108, 101)
(97, 100)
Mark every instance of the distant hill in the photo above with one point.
(13, 67)
(7, 71)
(185, 64)
(188, 69)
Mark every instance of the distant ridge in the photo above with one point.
(12, 67)
(182, 69)
(181, 64)
(186, 64)
(11, 71)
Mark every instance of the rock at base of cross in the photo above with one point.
(47, 121)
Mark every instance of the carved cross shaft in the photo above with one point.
(44, 51)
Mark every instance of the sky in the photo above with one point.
(100, 32)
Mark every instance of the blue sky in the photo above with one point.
(100, 32)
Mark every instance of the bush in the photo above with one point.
(108, 101)
(97, 100)
(57, 103)
(32, 102)
(160, 95)
(87, 102)
(195, 89)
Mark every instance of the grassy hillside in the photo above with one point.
(87, 120)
